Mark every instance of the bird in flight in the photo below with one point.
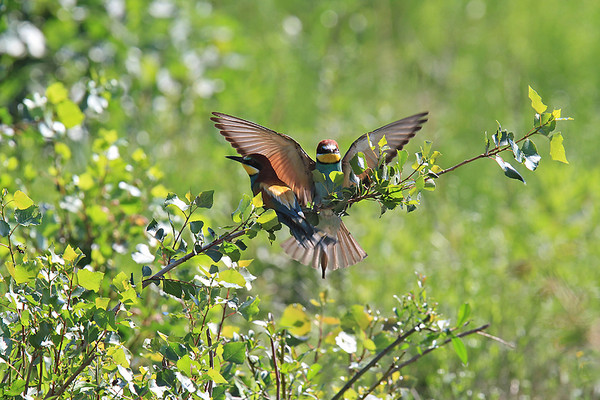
(294, 167)
(279, 197)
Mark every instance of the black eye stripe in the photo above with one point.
(328, 149)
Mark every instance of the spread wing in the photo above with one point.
(397, 135)
(290, 162)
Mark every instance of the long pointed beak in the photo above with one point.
(236, 158)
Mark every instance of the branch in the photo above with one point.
(74, 375)
(226, 238)
(385, 351)
(398, 367)
(445, 342)
(375, 359)
(495, 150)
(277, 377)
(211, 362)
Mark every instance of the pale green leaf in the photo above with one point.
(536, 101)
(557, 150)
(216, 376)
(56, 93)
(69, 114)
(90, 280)
(22, 201)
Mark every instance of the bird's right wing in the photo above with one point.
(397, 134)
(290, 162)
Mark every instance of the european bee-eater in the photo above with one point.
(295, 168)
(278, 196)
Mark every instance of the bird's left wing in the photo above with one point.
(397, 134)
(290, 162)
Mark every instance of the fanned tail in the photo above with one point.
(325, 252)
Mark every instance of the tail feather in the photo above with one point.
(327, 253)
(304, 233)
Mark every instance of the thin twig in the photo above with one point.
(374, 361)
(494, 151)
(386, 374)
(191, 254)
(211, 361)
(74, 375)
(277, 377)
(445, 342)
(394, 368)
(223, 316)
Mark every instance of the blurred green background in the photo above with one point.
(525, 257)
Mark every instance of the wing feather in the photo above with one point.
(290, 162)
(397, 134)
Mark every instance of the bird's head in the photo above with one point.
(328, 152)
(252, 163)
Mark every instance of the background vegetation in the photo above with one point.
(523, 257)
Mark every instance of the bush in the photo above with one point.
(75, 324)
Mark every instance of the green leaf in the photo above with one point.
(337, 177)
(42, 333)
(243, 210)
(361, 316)
(216, 376)
(313, 371)
(5, 116)
(318, 177)
(173, 288)
(460, 349)
(205, 199)
(118, 356)
(509, 170)
(213, 254)
(463, 314)
(64, 151)
(295, 320)
(257, 201)
(402, 157)
(532, 158)
(16, 388)
(358, 163)
(196, 226)
(234, 352)
(71, 255)
(426, 149)
(230, 278)
(146, 271)
(28, 216)
(22, 201)
(557, 150)
(4, 229)
(249, 308)
(515, 148)
(383, 144)
(173, 200)
(101, 318)
(56, 93)
(90, 280)
(420, 183)
(536, 101)
(25, 272)
(268, 219)
(155, 230)
(546, 122)
(69, 114)
(230, 250)
(383, 340)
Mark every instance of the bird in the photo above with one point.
(278, 196)
(294, 167)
